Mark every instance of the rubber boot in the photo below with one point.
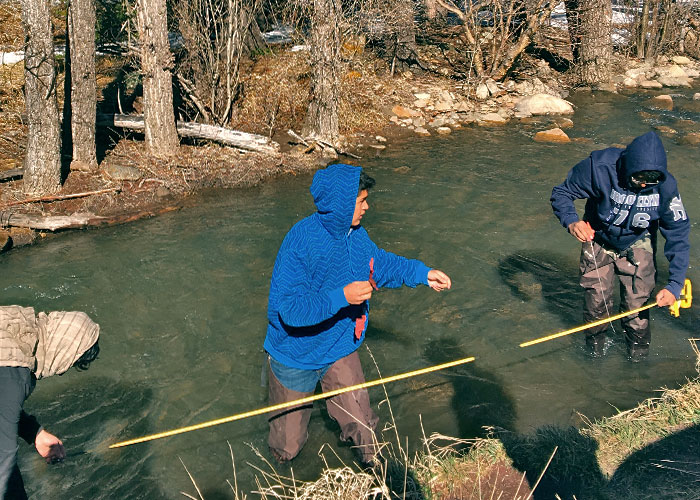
(637, 344)
(596, 344)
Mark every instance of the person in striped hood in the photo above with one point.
(318, 309)
(34, 347)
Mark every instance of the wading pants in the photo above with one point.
(352, 411)
(635, 269)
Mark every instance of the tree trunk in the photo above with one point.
(591, 38)
(81, 96)
(42, 164)
(322, 117)
(643, 31)
(405, 52)
(431, 9)
(156, 66)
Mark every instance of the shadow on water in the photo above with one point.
(666, 469)
(479, 399)
(554, 279)
(94, 410)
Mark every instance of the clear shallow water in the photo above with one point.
(181, 300)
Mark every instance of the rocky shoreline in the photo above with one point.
(439, 111)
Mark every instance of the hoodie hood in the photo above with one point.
(335, 189)
(646, 152)
(63, 338)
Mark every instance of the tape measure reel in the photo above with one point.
(684, 302)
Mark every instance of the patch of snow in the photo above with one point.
(11, 57)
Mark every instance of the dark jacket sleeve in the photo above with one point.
(577, 186)
(28, 428)
(675, 228)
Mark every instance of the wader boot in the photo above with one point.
(596, 343)
(637, 343)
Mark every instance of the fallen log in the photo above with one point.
(229, 137)
(48, 222)
(75, 221)
(59, 197)
(11, 174)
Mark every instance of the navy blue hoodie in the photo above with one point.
(310, 324)
(619, 215)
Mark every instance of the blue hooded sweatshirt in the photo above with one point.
(620, 215)
(310, 324)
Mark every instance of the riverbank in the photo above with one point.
(648, 452)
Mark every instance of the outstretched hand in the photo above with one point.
(665, 298)
(49, 447)
(582, 231)
(438, 281)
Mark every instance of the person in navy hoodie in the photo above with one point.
(324, 276)
(630, 194)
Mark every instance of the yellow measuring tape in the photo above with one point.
(296, 402)
(685, 302)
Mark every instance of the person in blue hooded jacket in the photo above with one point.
(630, 195)
(323, 278)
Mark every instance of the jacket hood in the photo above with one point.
(335, 189)
(63, 338)
(646, 152)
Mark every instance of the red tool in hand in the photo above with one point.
(360, 322)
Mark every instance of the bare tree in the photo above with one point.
(216, 35)
(42, 164)
(660, 26)
(496, 32)
(322, 118)
(590, 31)
(156, 66)
(81, 92)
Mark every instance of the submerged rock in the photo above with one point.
(552, 135)
(692, 139)
(664, 101)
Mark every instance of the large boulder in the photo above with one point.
(543, 104)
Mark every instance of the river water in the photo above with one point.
(181, 300)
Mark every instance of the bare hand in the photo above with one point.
(665, 298)
(582, 231)
(49, 447)
(357, 292)
(438, 281)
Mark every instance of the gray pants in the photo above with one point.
(352, 411)
(598, 268)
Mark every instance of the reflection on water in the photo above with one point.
(181, 300)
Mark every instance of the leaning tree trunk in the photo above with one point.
(322, 117)
(81, 91)
(156, 66)
(590, 29)
(42, 164)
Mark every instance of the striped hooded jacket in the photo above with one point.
(310, 324)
